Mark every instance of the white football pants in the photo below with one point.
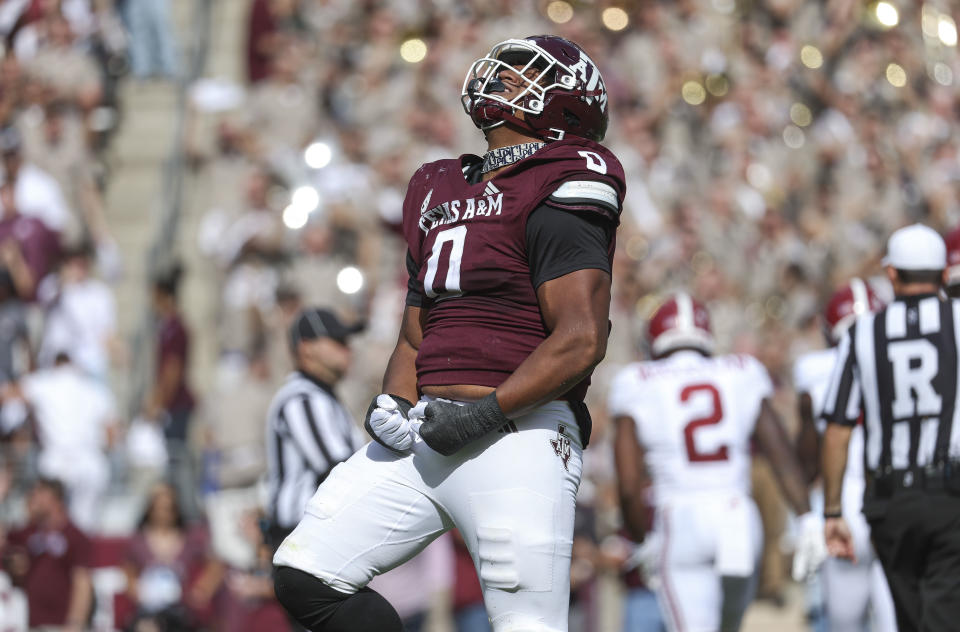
(511, 495)
(703, 539)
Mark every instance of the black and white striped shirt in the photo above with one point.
(308, 433)
(898, 368)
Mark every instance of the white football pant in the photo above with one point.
(709, 547)
(511, 495)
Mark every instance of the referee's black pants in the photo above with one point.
(917, 541)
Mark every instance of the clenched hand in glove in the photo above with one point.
(387, 422)
(448, 427)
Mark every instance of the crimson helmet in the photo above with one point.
(953, 257)
(680, 323)
(562, 90)
(853, 299)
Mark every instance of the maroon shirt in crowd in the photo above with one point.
(262, 26)
(39, 245)
(174, 342)
(54, 554)
(468, 248)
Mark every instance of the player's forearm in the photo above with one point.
(632, 476)
(808, 441)
(776, 446)
(834, 463)
(400, 376)
(561, 361)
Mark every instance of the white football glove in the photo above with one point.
(388, 425)
(811, 547)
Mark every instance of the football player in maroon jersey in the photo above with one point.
(506, 316)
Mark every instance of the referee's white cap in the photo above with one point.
(916, 247)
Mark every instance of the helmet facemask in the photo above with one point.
(538, 73)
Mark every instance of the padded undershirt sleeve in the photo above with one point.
(563, 241)
(415, 297)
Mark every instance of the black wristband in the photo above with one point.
(827, 515)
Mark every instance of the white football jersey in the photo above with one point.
(811, 374)
(695, 416)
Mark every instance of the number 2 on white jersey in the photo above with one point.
(714, 417)
(451, 283)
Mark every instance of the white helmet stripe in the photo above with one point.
(685, 320)
(861, 300)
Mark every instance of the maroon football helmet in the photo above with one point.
(562, 90)
(680, 323)
(853, 299)
(953, 262)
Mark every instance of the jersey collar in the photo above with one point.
(503, 156)
(323, 385)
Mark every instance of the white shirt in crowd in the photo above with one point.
(73, 412)
(37, 194)
(81, 318)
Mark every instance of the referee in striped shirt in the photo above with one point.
(897, 370)
(308, 429)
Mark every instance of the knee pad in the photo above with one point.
(317, 606)
(298, 591)
(517, 540)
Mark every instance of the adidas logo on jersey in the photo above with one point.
(491, 203)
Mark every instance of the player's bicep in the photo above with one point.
(577, 304)
(411, 326)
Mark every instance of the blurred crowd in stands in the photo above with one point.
(771, 146)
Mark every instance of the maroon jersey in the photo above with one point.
(468, 248)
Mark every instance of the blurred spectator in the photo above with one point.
(62, 66)
(170, 398)
(50, 559)
(251, 245)
(55, 141)
(419, 585)
(171, 394)
(80, 314)
(265, 33)
(28, 249)
(469, 613)
(152, 51)
(35, 192)
(16, 356)
(247, 603)
(12, 87)
(76, 422)
(232, 414)
(171, 576)
(282, 110)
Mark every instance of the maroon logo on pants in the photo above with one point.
(561, 445)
